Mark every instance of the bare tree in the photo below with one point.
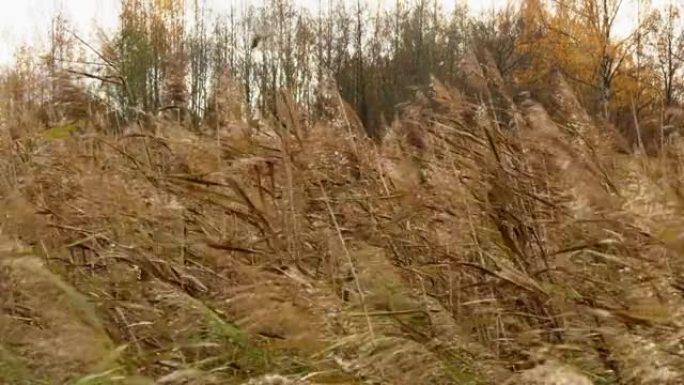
(667, 44)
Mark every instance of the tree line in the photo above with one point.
(180, 55)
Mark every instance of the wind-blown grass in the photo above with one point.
(478, 243)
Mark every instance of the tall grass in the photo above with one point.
(482, 241)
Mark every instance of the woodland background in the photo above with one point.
(173, 54)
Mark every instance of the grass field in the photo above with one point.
(450, 252)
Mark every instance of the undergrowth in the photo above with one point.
(458, 250)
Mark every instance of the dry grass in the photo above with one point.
(473, 246)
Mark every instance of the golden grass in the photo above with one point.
(467, 248)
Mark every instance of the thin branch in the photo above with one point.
(95, 51)
(105, 79)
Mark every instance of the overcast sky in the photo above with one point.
(24, 21)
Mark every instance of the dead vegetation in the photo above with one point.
(478, 243)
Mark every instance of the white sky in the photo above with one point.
(25, 21)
